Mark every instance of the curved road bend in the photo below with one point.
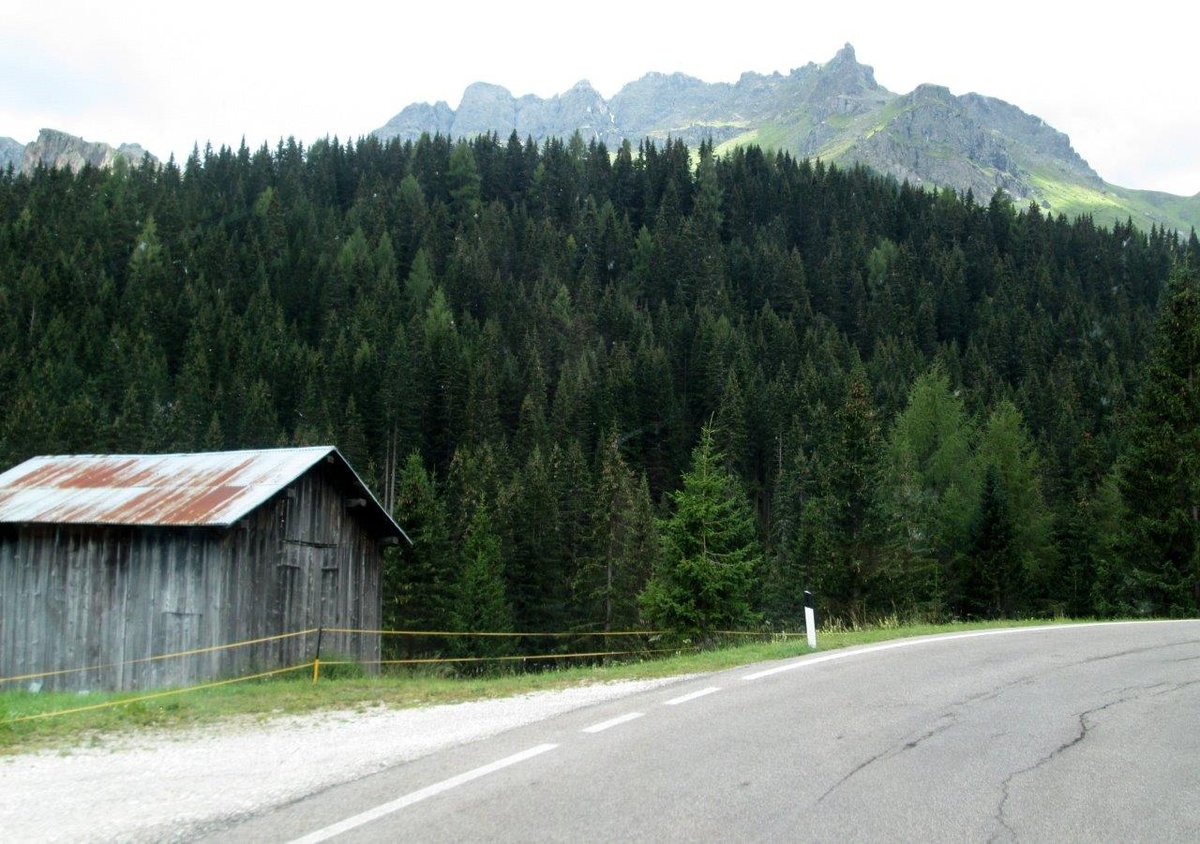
(1085, 733)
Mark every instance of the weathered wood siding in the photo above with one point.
(115, 597)
(329, 571)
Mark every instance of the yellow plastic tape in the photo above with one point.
(110, 704)
(748, 632)
(578, 634)
(157, 657)
(515, 658)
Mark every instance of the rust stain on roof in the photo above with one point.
(200, 509)
(98, 474)
(171, 489)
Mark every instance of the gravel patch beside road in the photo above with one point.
(167, 785)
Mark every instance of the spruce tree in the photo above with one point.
(1005, 444)
(480, 605)
(710, 551)
(991, 576)
(418, 580)
(838, 532)
(623, 545)
(1160, 468)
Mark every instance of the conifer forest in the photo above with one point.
(643, 388)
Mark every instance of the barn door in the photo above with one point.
(311, 589)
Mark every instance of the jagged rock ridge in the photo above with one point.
(59, 149)
(11, 153)
(835, 111)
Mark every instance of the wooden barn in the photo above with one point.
(109, 561)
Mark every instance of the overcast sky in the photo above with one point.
(168, 75)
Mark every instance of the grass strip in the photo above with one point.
(92, 720)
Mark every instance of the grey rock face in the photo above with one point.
(419, 118)
(835, 111)
(11, 153)
(58, 149)
(485, 108)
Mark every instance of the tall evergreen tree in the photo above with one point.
(480, 604)
(1006, 445)
(1160, 468)
(418, 580)
(623, 544)
(838, 535)
(991, 577)
(710, 554)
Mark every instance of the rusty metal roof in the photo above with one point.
(207, 489)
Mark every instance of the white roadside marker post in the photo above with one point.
(810, 620)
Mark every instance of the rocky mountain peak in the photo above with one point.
(835, 111)
(845, 55)
(844, 73)
(54, 148)
(11, 153)
(928, 92)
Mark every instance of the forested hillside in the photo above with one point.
(910, 403)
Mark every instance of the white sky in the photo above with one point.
(166, 75)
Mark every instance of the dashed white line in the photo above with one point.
(692, 696)
(417, 796)
(612, 722)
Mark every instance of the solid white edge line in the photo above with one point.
(692, 696)
(804, 662)
(415, 797)
(612, 722)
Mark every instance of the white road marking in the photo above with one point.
(417, 796)
(692, 696)
(612, 722)
(805, 662)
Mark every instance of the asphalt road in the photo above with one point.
(1088, 733)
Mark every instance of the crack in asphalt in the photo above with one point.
(950, 719)
(1085, 727)
(1175, 687)
(1132, 651)
(946, 721)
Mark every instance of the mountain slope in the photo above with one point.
(59, 149)
(836, 112)
(11, 153)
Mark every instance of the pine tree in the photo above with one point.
(1160, 468)
(710, 552)
(480, 605)
(838, 541)
(418, 580)
(623, 543)
(991, 575)
(464, 179)
(1005, 444)
(928, 493)
(529, 522)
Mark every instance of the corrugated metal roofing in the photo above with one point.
(207, 489)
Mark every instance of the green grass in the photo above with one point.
(1179, 212)
(1107, 205)
(295, 694)
(1113, 204)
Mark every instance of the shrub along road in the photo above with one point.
(1071, 733)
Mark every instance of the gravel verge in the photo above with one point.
(170, 785)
